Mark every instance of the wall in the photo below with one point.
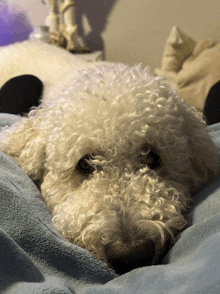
(138, 29)
(133, 31)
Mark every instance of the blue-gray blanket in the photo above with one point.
(34, 258)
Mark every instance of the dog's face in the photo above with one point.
(121, 164)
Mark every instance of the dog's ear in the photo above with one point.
(201, 152)
(25, 143)
(204, 155)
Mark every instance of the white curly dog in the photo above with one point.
(118, 155)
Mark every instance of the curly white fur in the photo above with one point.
(119, 157)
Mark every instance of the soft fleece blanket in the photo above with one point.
(34, 258)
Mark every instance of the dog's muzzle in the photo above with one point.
(125, 259)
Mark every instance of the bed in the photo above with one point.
(34, 257)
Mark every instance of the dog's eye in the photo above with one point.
(151, 159)
(83, 165)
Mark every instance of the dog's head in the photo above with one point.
(120, 156)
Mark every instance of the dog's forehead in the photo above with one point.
(105, 77)
(112, 87)
(114, 102)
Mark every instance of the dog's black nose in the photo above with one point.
(127, 258)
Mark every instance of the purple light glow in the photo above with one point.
(14, 27)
